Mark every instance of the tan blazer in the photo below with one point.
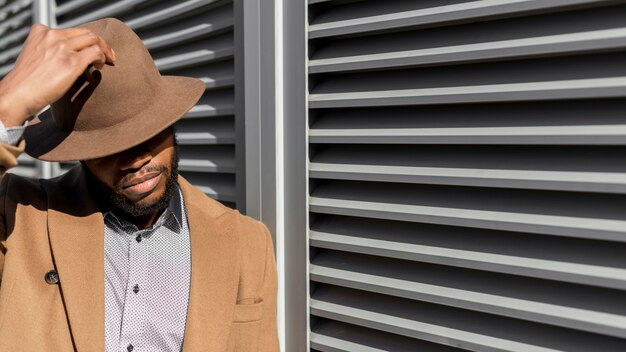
(48, 225)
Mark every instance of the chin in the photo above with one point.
(151, 198)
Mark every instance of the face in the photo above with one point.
(139, 181)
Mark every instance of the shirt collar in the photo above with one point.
(174, 209)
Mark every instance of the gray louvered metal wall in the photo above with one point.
(191, 38)
(467, 175)
(16, 17)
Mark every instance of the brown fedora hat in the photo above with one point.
(110, 110)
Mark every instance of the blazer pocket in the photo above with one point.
(246, 313)
(245, 328)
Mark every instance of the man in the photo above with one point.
(119, 254)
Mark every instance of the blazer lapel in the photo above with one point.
(214, 272)
(76, 230)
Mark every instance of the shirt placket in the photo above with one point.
(133, 321)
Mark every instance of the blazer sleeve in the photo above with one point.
(8, 159)
(3, 228)
(269, 291)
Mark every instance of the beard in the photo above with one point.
(124, 207)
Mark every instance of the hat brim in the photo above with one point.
(46, 141)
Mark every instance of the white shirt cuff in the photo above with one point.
(11, 135)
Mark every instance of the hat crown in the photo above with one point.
(107, 97)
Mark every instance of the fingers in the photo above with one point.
(87, 39)
(82, 41)
(92, 55)
(70, 41)
(73, 32)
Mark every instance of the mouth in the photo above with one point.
(140, 186)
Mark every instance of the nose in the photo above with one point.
(134, 158)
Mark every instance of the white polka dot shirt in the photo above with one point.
(146, 281)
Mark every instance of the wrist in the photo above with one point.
(11, 112)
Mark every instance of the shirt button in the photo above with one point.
(136, 288)
(138, 238)
(130, 348)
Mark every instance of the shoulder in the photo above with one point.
(252, 234)
(19, 189)
(20, 198)
(24, 190)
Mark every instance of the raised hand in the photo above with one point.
(49, 63)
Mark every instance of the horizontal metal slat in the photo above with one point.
(570, 43)
(586, 274)
(580, 227)
(527, 179)
(198, 138)
(218, 82)
(217, 103)
(210, 81)
(193, 58)
(170, 38)
(331, 344)
(73, 5)
(330, 335)
(206, 166)
(163, 15)
(311, 2)
(535, 91)
(337, 271)
(210, 190)
(216, 75)
(441, 15)
(214, 159)
(212, 131)
(524, 135)
(203, 110)
(214, 186)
